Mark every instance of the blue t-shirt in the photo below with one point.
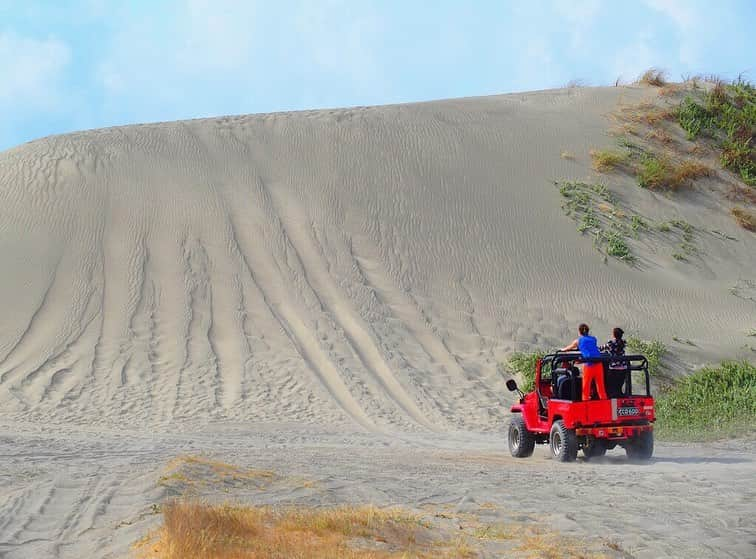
(588, 346)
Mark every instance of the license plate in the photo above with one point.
(630, 410)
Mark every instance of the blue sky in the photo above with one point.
(75, 64)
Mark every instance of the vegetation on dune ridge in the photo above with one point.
(653, 171)
(711, 403)
(717, 118)
(727, 114)
(654, 77)
(596, 211)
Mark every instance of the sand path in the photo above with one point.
(89, 493)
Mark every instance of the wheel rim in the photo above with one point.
(556, 443)
(514, 438)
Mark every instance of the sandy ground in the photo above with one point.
(264, 287)
(91, 493)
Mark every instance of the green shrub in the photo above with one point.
(654, 351)
(713, 402)
(693, 118)
(617, 247)
(637, 223)
(653, 172)
(524, 365)
(589, 221)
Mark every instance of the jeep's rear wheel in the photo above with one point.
(594, 448)
(521, 441)
(563, 442)
(641, 447)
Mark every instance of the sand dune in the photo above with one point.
(328, 294)
(364, 266)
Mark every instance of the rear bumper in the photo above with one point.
(614, 432)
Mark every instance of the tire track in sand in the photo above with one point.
(262, 269)
(358, 334)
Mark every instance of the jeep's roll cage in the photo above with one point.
(562, 363)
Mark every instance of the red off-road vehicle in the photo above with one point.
(554, 412)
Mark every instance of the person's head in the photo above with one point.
(583, 329)
(618, 333)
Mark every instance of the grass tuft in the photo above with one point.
(745, 218)
(607, 159)
(661, 172)
(654, 77)
(660, 135)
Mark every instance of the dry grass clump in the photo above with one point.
(567, 155)
(538, 542)
(746, 219)
(691, 169)
(195, 530)
(545, 546)
(607, 159)
(194, 472)
(737, 193)
(672, 89)
(662, 172)
(645, 112)
(654, 77)
(623, 129)
(660, 135)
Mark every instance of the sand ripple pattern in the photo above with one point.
(367, 266)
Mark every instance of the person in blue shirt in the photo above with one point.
(592, 372)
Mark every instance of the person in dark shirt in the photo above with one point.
(615, 347)
(616, 377)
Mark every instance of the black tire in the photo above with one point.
(563, 442)
(521, 441)
(640, 447)
(594, 449)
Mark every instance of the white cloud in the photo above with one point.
(578, 17)
(686, 16)
(682, 13)
(30, 70)
(633, 59)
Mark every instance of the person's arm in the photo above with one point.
(572, 347)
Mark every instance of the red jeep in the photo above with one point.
(555, 413)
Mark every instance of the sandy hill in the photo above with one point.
(367, 265)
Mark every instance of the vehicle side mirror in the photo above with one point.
(512, 385)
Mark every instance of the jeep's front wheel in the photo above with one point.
(521, 441)
(563, 442)
(640, 447)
